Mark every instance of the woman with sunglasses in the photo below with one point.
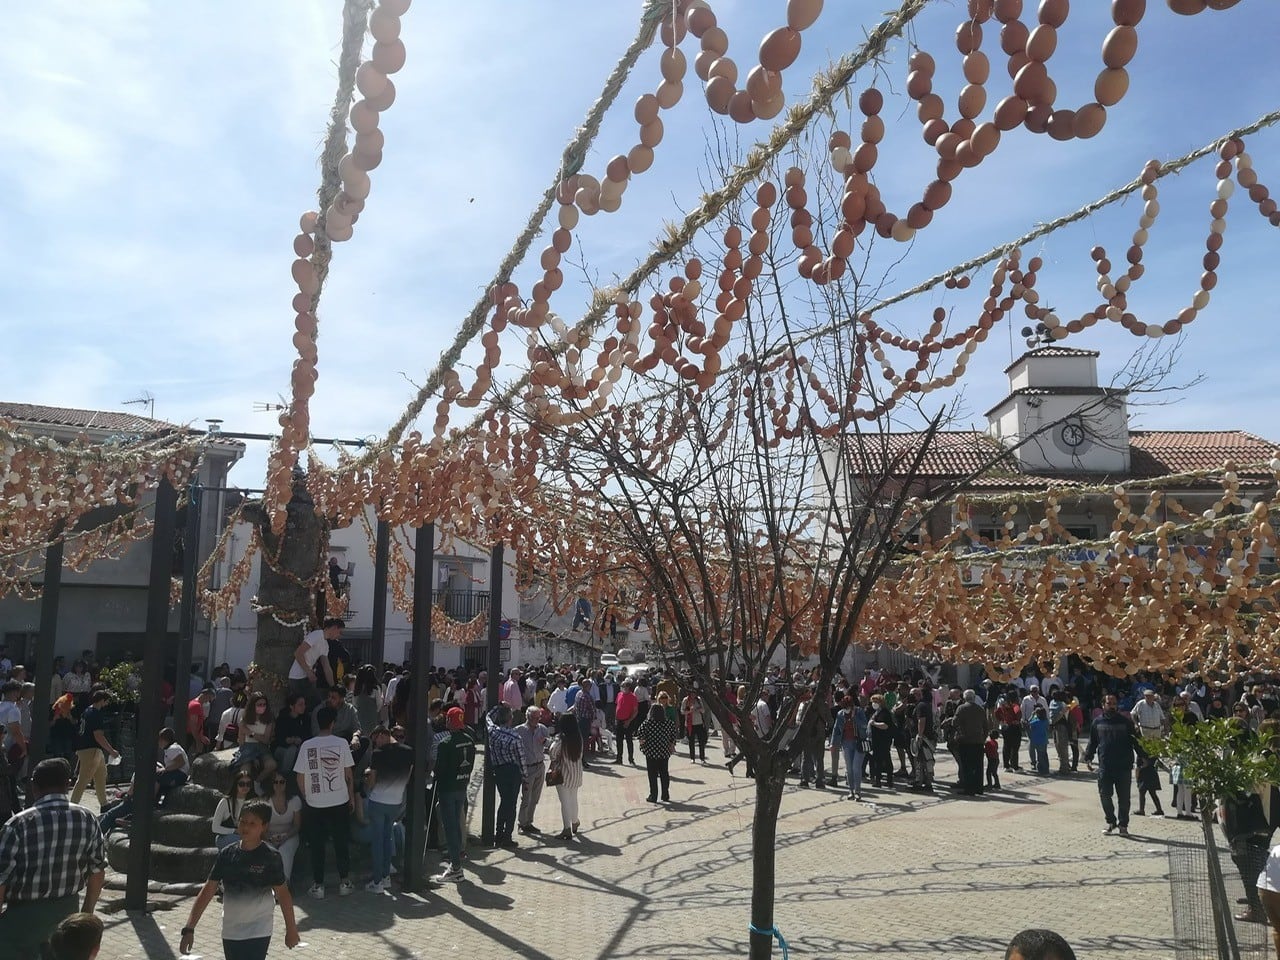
(226, 817)
(286, 822)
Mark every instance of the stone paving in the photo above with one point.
(903, 875)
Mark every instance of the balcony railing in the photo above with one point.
(461, 604)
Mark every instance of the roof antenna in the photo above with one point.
(144, 399)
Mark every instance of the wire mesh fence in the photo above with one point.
(1207, 885)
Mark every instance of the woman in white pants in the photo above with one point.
(286, 822)
(566, 751)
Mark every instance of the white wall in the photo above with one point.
(236, 636)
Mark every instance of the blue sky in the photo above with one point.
(160, 155)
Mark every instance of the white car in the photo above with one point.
(608, 659)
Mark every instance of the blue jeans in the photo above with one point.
(1040, 758)
(382, 819)
(853, 764)
(453, 805)
(121, 808)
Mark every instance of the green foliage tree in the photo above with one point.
(1219, 757)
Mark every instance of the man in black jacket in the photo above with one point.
(1113, 739)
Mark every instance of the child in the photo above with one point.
(992, 747)
(1038, 737)
(1148, 784)
(250, 871)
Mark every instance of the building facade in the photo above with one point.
(103, 609)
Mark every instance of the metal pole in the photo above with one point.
(488, 809)
(1223, 929)
(415, 851)
(381, 558)
(149, 705)
(187, 612)
(47, 648)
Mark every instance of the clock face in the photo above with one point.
(1072, 434)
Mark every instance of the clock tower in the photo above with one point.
(1058, 417)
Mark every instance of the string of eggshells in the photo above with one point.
(1192, 7)
(582, 193)
(337, 223)
(1115, 292)
(47, 487)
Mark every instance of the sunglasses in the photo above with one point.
(279, 780)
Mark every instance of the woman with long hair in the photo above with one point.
(566, 753)
(286, 822)
(257, 726)
(226, 818)
(367, 699)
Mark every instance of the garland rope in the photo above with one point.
(1171, 167)
(826, 84)
(1133, 186)
(571, 163)
(354, 24)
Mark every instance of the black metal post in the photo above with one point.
(415, 851)
(381, 558)
(46, 651)
(149, 705)
(187, 612)
(488, 809)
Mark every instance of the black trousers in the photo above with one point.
(698, 737)
(969, 759)
(1011, 735)
(658, 773)
(626, 732)
(322, 824)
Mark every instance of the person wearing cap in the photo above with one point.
(49, 853)
(92, 748)
(455, 756)
(1149, 715)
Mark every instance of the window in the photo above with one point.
(1088, 532)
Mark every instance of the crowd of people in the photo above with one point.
(327, 762)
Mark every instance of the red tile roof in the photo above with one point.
(1152, 453)
(35, 413)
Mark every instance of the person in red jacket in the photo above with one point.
(1009, 716)
(625, 716)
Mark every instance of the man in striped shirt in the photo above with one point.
(48, 854)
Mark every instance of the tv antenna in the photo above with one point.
(144, 399)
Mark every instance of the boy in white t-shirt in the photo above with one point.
(324, 768)
(311, 668)
(174, 769)
(253, 881)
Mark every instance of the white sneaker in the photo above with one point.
(377, 886)
(316, 892)
(448, 876)
(346, 888)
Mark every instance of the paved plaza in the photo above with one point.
(903, 875)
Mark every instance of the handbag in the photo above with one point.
(555, 769)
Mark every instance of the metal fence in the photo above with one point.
(1206, 886)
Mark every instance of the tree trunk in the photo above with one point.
(764, 833)
(293, 566)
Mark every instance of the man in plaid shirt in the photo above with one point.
(48, 854)
(506, 756)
